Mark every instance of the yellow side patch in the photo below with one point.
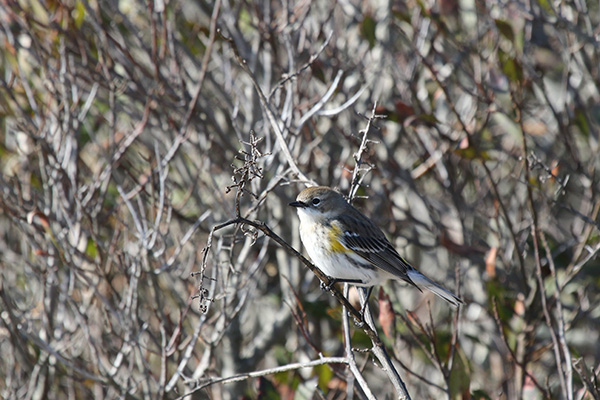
(335, 245)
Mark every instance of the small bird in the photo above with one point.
(347, 246)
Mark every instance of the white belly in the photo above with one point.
(340, 266)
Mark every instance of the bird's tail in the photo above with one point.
(424, 282)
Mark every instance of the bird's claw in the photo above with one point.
(327, 286)
(359, 323)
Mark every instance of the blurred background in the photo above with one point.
(128, 127)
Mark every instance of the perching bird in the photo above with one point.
(347, 246)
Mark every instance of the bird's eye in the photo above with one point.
(316, 201)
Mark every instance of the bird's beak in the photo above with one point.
(298, 204)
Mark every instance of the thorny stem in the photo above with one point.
(356, 180)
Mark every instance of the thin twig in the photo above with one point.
(264, 372)
(350, 355)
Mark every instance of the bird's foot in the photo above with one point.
(359, 324)
(332, 281)
(327, 286)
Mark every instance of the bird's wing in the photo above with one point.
(372, 245)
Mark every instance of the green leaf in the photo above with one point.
(505, 29)
(91, 250)
(320, 309)
(545, 4)
(501, 294)
(460, 376)
(360, 339)
(245, 21)
(581, 122)
(268, 391)
(471, 153)
(78, 14)
(324, 373)
(511, 67)
(281, 354)
(35, 182)
(442, 343)
(367, 29)
(112, 196)
(402, 15)
(480, 395)
(84, 137)
(428, 118)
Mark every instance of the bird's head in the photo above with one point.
(319, 202)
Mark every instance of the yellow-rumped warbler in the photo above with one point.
(349, 247)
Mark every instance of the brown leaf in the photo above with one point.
(535, 127)
(519, 307)
(39, 218)
(337, 384)
(387, 318)
(404, 110)
(555, 171)
(490, 261)
(381, 110)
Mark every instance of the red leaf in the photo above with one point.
(404, 110)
